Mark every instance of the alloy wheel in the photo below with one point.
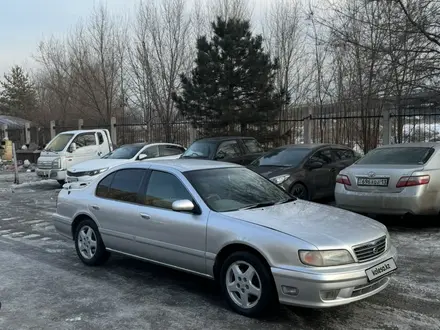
(87, 242)
(243, 284)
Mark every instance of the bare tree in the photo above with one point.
(162, 51)
(227, 9)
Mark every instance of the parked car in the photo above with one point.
(70, 148)
(87, 171)
(307, 171)
(232, 149)
(225, 222)
(394, 179)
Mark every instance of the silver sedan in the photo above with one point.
(225, 222)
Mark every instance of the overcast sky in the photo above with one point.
(24, 23)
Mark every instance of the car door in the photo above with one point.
(117, 207)
(167, 236)
(321, 178)
(86, 149)
(229, 151)
(103, 145)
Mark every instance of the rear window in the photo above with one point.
(397, 156)
(252, 145)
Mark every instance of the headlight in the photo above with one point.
(56, 163)
(280, 178)
(96, 172)
(326, 258)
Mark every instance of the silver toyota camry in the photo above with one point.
(225, 222)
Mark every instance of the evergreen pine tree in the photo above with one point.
(17, 94)
(231, 90)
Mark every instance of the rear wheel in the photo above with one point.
(247, 284)
(89, 245)
(299, 190)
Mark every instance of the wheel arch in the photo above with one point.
(77, 220)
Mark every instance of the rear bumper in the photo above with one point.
(409, 201)
(312, 286)
(58, 175)
(63, 225)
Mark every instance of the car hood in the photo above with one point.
(324, 226)
(272, 171)
(97, 164)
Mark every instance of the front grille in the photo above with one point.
(44, 165)
(75, 174)
(370, 250)
(364, 289)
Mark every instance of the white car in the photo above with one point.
(87, 171)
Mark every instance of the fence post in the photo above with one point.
(192, 135)
(5, 131)
(308, 126)
(27, 132)
(52, 129)
(386, 127)
(113, 130)
(80, 124)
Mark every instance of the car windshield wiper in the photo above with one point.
(255, 206)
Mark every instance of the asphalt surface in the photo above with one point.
(43, 285)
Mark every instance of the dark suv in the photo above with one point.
(233, 149)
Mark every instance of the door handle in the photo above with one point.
(145, 216)
(95, 207)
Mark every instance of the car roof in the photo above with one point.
(182, 165)
(82, 131)
(313, 146)
(224, 138)
(435, 145)
(140, 144)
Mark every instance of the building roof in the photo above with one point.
(13, 122)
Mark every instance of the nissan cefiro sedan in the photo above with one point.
(227, 223)
(398, 179)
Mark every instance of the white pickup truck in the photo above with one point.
(70, 148)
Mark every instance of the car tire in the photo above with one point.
(89, 245)
(61, 182)
(247, 284)
(300, 191)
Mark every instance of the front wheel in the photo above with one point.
(89, 245)
(247, 284)
(300, 191)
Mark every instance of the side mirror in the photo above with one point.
(314, 165)
(142, 157)
(184, 205)
(73, 147)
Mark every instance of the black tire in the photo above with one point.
(61, 182)
(300, 191)
(100, 255)
(268, 298)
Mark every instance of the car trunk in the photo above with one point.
(378, 178)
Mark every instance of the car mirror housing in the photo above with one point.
(73, 147)
(142, 156)
(314, 165)
(183, 205)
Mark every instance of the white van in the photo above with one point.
(70, 148)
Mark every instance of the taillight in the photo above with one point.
(343, 179)
(410, 181)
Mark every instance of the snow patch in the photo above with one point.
(74, 319)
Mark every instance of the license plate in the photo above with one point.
(381, 269)
(73, 179)
(372, 182)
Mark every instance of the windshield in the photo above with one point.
(290, 157)
(124, 152)
(59, 142)
(200, 149)
(231, 189)
(397, 156)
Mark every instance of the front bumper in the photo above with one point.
(311, 284)
(412, 200)
(55, 174)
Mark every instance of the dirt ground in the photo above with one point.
(43, 285)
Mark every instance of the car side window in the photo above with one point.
(252, 146)
(163, 189)
(170, 150)
(124, 186)
(103, 187)
(100, 138)
(322, 156)
(85, 140)
(151, 152)
(344, 154)
(228, 149)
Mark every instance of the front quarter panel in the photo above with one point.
(279, 249)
